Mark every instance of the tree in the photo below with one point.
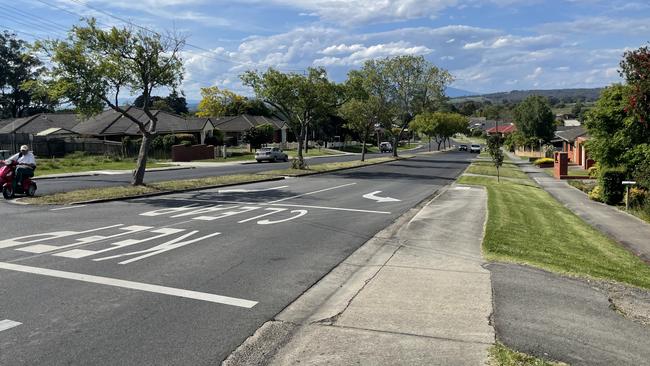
(173, 103)
(92, 66)
(416, 86)
(217, 102)
(299, 99)
(494, 149)
(534, 118)
(635, 68)
(21, 91)
(256, 136)
(366, 104)
(440, 126)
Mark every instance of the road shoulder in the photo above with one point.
(416, 293)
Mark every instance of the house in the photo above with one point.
(234, 127)
(112, 125)
(573, 143)
(502, 130)
(571, 122)
(38, 123)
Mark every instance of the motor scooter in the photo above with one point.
(7, 175)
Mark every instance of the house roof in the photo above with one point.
(56, 131)
(112, 123)
(40, 122)
(246, 121)
(572, 122)
(570, 135)
(505, 129)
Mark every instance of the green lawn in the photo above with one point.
(574, 172)
(312, 152)
(357, 149)
(527, 225)
(509, 170)
(463, 139)
(76, 163)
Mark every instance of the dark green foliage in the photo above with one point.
(534, 118)
(611, 181)
(174, 102)
(494, 149)
(256, 136)
(216, 139)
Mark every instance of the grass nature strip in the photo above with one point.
(500, 355)
(527, 225)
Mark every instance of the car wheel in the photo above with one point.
(274, 159)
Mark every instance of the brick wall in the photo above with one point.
(191, 153)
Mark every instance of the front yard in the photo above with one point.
(80, 162)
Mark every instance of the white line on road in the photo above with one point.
(67, 208)
(314, 192)
(8, 324)
(277, 204)
(242, 190)
(130, 285)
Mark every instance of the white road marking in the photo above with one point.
(373, 196)
(35, 238)
(270, 222)
(171, 291)
(67, 208)
(158, 212)
(8, 324)
(314, 192)
(242, 190)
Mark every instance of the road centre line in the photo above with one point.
(310, 193)
(8, 324)
(279, 205)
(171, 291)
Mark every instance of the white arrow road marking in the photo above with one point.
(130, 285)
(242, 190)
(8, 324)
(373, 196)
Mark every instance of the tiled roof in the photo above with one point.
(571, 134)
(246, 121)
(40, 122)
(502, 129)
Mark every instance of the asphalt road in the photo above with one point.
(184, 279)
(565, 319)
(48, 186)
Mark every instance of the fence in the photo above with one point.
(44, 146)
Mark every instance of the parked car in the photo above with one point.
(270, 154)
(462, 148)
(474, 148)
(385, 147)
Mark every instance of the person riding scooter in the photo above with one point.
(26, 165)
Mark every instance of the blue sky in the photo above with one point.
(493, 45)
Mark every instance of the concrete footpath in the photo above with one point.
(415, 294)
(630, 231)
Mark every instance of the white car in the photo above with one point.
(270, 154)
(474, 148)
(385, 147)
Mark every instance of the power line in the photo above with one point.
(15, 10)
(28, 24)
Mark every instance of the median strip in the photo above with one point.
(527, 225)
(97, 195)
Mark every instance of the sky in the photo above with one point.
(488, 46)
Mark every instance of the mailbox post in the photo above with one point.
(627, 184)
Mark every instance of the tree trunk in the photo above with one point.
(141, 165)
(307, 139)
(301, 141)
(429, 143)
(498, 177)
(363, 146)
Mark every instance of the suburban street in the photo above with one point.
(48, 186)
(184, 279)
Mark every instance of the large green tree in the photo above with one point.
(534, 118)
(216, 102)
(93, 66)
(416, 86)
(174, 102)
(440, 126)
(21, 90)
(367, 104)
(301, 99)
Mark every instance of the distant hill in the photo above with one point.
(455, 92)
(564, 95)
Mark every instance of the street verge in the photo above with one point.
(526, 225)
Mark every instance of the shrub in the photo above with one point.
(596, 194)
(611, 182)
(593, 172)
(639, 197)
(544, 161)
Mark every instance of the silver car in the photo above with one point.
(474, 148)
(270, 154)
